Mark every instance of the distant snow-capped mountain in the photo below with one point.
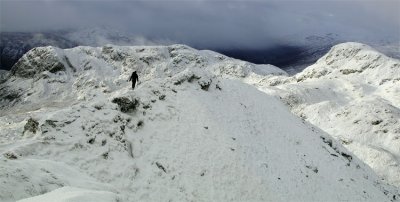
(192, 130)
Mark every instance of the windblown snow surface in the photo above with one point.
(72, 129)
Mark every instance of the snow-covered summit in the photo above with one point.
(353, 59)
(352, 93)
(192, 130)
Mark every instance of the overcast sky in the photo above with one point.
(212, 23)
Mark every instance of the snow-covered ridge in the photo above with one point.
(192, 130)
(352, 93)
(68, 72)
(170, 58)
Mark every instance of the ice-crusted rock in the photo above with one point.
(353, 94)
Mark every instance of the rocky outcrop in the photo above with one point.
(31, 126)
(36, 61)
(125, 104)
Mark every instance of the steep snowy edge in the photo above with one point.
(352, 93)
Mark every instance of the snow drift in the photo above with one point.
(192, 130)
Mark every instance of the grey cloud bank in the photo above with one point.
(212, 24)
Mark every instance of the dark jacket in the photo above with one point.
(134, 77)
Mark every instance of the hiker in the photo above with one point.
(134, 77)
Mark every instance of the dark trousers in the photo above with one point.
(133, 84)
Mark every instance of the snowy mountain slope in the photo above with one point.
(352, 93)
(192, 130)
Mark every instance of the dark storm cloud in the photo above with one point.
(216, 24)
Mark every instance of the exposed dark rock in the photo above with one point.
(32, 125)
(51, 123)
(327, 141)
(376, 122)
(69, 64)
(313, 168)
(217, 86)
(205, 84)
(161, 167)
(58, 66)
(161, 97)
(193, 77)
(47, 125)
(10, 155)
(91, 140)
(347, 156)
(98, 107)
(146, 106)
(125, 104)
(140, 124)
(348, 71)
(11, 95)
(190, 78)
(203, 173)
